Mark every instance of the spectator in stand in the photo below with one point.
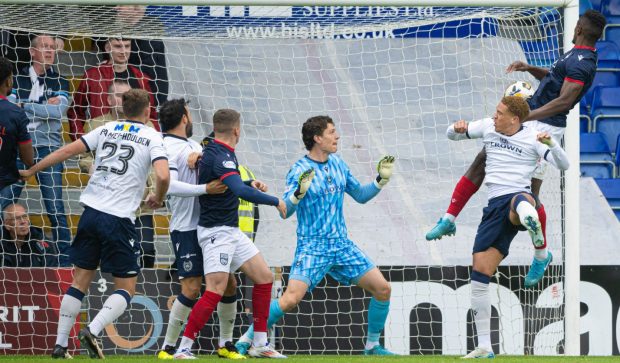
(90, 99)
(44, 95)
(22, 245)
(148, 54)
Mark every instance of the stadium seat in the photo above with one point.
(596, 4)
(595, 156)
(611, 33)
(611, 11)
(611, 190)
(606, 113)
(608, 55)
(584, 123)
(601, 79)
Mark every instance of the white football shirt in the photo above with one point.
(125, 151)
(185, 210)
(511, 160)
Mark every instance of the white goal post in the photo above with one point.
(186, 49)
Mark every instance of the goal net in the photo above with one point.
(392, 78)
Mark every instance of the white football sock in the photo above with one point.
(226, 314)
(481, 306)
(525, 209)
(178, 316)
(449, 217)
(113, 307)
(541, 254)
(69, 309)
(260, 339)
(186, 343)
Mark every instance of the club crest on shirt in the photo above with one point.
(229, 164)
(187, 266)
(224, 259)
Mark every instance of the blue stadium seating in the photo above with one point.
(596, 4)
(601, 79)
(611, 190)
(585, 123)
(608, 54)
(612, 33)
(611, 10)
(606, 113)
(595, 156)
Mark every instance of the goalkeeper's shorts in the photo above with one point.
(341, 259)
(495, 229)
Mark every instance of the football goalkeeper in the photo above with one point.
(322, 243)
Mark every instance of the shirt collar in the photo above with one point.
(224, 144)
(585, 47)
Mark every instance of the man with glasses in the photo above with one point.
(22, 245)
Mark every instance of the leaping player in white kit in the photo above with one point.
(513, 150)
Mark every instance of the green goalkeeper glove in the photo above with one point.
(384, 167)
(303, 184)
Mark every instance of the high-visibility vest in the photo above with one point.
(246, 209)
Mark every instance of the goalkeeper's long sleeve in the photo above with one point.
(290, 207)
(364, 193)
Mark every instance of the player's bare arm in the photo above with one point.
(519, 66)
(568, 94)
(58, 156)
(26, 153)
(162, 181)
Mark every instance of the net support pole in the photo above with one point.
(572, 222)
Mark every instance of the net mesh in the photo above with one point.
(393, 79)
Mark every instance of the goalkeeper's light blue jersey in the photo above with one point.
(319, 213)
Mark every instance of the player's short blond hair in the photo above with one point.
(135, 101)
(517, 106)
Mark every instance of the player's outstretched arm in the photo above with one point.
(364, 193)
(563, 103)
(58, 156)
(519, 66)
(182, 189)
(245, 192)
(558, 158)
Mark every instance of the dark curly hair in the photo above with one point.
(171, 112)
(594, 25)
(314, 126)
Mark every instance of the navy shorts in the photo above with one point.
(106, 240)
(187, 252)
(495, 229)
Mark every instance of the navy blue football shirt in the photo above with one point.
(578, 65)
(13, 131)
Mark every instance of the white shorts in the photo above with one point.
(557, 133)
(224, 249)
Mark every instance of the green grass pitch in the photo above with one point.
(334, 359)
